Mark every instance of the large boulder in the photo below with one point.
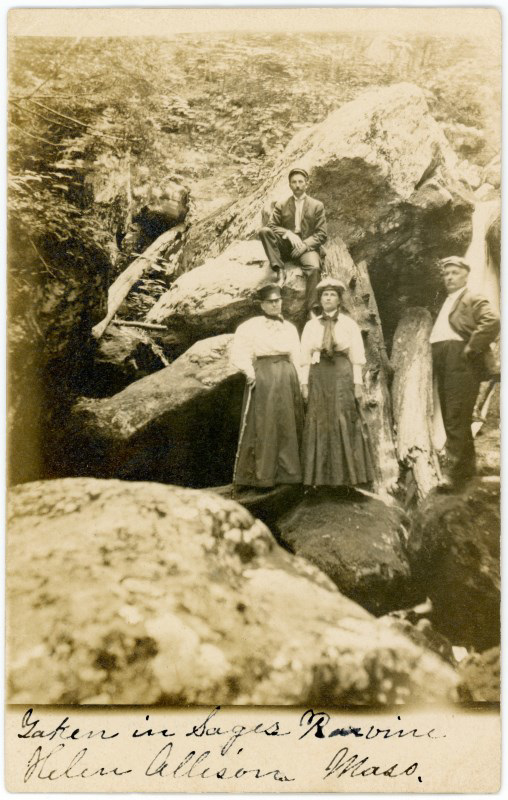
(454, 551)
(215, 297)
(391, 188)
(178, 425)
(359, 543)
(143, 593)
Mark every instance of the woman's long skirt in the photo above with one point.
(336, 445)
(271, 433)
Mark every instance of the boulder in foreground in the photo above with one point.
(179, 596)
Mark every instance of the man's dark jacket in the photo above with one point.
(474, 319)
(313, 223)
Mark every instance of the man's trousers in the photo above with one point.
(278, 251)
(458, 382)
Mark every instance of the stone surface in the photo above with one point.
(179, 425)
(125, 354)
(465, 139)
(176, 596)
(454, 550)
(480, 676)
(488, 439)
(215, 297)
(492, 172)
(470, 173)
(422, 633)
(359, 543)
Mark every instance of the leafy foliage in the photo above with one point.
(198, 108)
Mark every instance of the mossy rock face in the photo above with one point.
(358, 543)
(142, 593)
(454, 550)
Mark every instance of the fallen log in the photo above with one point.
(151, 326)
(119, 290)
(412, 399)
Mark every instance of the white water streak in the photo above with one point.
(484, 277)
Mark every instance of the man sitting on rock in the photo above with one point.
(296, 230)
(461, 337)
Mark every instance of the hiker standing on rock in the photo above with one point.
(296, 230)
(336, 445)
(267, 350)
(461, 337)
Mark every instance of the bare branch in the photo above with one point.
(78, 122)
(41, 258)
(38, 114)
(38, 138)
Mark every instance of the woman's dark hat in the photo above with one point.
(270, 291)
(298, 171)
(455, 261)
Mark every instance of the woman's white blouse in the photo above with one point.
(348, 337)
(261, 336)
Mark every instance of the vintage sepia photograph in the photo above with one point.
(253, 359)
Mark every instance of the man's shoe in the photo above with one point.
(281, 276)
(447, 484)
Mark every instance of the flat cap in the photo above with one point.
(270, 291)
(455, 261)
(298, 171)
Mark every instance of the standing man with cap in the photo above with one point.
(461, 337)
(296, 230)
(267, 350)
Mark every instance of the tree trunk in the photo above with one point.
(163, 247)
(360, 303)
(412, 398)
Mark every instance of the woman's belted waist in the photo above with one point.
(336, 353)
(274, 358)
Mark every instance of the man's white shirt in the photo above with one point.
(299, 201)
(442, 330)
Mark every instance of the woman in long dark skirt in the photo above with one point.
(336, 446)
(267, 349)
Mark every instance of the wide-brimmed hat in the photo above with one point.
(298, 171)
(455, 261)
(270, 291)
(330, 283)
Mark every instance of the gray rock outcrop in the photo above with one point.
(178, 596)
(215, 297)
(178, 425)
(359, 543)
(454, 552)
